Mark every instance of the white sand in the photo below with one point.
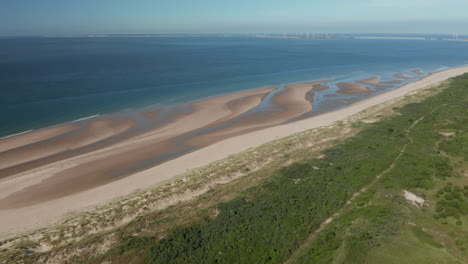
(38, 216)
(413, 198)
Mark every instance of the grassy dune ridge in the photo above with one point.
(278, 213)
(381, 226)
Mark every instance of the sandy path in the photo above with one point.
(32, 217)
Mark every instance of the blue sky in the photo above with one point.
(31, 17)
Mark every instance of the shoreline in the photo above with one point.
(158, 106)
(29, 218)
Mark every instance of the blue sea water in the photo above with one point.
(46, 81)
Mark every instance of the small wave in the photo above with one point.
(17, 134)
(84, 118)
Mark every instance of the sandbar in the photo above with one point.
(114, 162)
(373, 80)
(96, 131)
(383, 86)
(35, 136)
(352, 88)
(418, 72)
(393, 82)
(289, 104)
(402, 76)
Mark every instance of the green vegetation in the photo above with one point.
(358, 183)
(452, 202)
(268, 222)
(285, 208)
(360, 235)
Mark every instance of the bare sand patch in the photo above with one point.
(447, 134)
(413, 198)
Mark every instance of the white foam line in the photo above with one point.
(84, 118)
(17, 134)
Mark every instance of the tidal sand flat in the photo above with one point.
(95, 131)
(393, 82)
(113, 162)
(34, 136)
(402, 76)
(291, 103)
(42, 195)
(418, 72)
(383, 86)
(352, 88)
(373, 80)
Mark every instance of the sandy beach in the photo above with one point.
(45, 194)
(104, 165)
(94, 132)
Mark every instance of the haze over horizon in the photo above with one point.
(209, 16)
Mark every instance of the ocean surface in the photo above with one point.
(47, 81)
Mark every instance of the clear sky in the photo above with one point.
(32, 17)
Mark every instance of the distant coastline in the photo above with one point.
(284, 36)
(133, 35)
